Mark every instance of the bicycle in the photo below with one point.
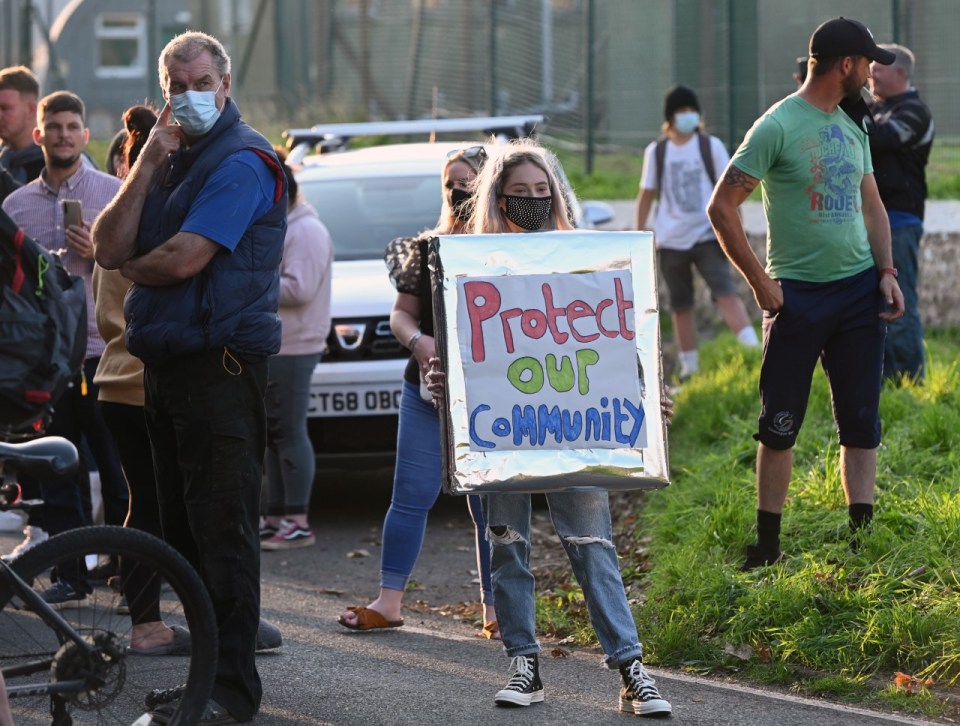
(73, 665)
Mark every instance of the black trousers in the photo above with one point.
(207, 425)
(129, 428)
(67, 499)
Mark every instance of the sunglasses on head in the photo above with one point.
(473, 152)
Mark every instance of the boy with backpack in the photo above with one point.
(679, 171)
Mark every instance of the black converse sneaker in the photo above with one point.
(639, 694)
(524, 687)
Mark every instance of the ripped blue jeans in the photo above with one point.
(582, 521)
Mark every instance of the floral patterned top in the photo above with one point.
(405, 258)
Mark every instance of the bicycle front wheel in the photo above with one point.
(155, 586)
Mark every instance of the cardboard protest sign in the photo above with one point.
(551, 348)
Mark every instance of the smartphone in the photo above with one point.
(71, 213)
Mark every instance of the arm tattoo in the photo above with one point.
(735, 178)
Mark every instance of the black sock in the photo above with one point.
(860, 516)
(768, 530)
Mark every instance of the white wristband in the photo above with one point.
(412, 343)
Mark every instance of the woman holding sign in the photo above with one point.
(519, 192)
(416, 482)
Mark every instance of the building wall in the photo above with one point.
(76, 52)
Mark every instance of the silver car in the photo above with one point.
(367, 197)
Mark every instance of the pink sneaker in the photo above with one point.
(267, 530)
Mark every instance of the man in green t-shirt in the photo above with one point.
(829, 286)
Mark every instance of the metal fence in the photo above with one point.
(597, 68)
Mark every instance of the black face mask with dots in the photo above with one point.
(460, 204)
(529, 213)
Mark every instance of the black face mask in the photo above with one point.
(460, 204)
(529, 213)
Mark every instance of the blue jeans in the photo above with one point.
(416, 486)
(290, 462)
(903, 353)
(582, 521)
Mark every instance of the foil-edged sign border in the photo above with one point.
(471, 472)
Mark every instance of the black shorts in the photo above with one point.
(837, 322)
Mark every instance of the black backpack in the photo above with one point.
(43, 331)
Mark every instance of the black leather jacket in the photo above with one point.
(901, 133)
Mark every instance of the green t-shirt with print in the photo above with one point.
(810, 164)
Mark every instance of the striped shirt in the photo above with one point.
(37, 208)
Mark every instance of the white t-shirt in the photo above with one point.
(680, 219)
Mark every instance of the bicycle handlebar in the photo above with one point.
(41, 457)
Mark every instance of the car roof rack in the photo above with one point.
(336, 137)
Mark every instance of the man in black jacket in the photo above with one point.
(901, 131)
(19, 95)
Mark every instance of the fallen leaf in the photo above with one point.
(559, 653)
(907, 682)
(358, 553)
(763, 653)
(744, 652)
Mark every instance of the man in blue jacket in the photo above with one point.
(199, 226)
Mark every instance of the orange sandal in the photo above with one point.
(491, 631)
(368, 619)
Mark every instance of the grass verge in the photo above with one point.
(826, 621)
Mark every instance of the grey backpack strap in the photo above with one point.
(660, 153)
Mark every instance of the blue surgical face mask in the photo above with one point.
(686, 122)
(196, 111)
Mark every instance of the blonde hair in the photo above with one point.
(449, 222)
(487, 217)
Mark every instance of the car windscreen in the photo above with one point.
(364, 214)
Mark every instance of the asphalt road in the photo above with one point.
(435, 670)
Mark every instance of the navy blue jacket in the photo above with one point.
(233, 301)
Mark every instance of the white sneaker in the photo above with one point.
(32, 536)
(11, 522)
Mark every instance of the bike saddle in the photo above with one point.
(41, 457)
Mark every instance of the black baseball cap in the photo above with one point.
(842, 37)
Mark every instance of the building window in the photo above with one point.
(236, 17)
(121, 46)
